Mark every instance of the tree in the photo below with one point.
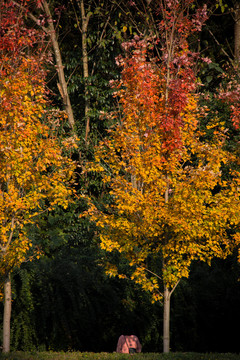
(92, 38)
(237, 32)
(169, 204)
(50, 31)
(34, 170)
(62, 85)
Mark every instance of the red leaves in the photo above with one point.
(160, 172)
(156, 91)
(16, 37)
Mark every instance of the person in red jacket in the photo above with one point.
(128, 344)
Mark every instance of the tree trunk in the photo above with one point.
(50, 31)
(85, 20)
(7, 314)
(237, 34)
(166, 298)
(62, 86)
(166, 320)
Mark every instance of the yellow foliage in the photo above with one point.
(164, 210)
(34, 172)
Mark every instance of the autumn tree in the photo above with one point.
(169, 204)
(34, 171)
(45, 21)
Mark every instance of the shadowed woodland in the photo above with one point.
(97, 219)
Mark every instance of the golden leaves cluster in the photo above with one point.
(34, 173)
(164, 199)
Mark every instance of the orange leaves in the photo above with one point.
(162, 187)
(34, 174)
(168, 203)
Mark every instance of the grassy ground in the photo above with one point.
(114, 356)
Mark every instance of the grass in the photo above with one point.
(114, 356)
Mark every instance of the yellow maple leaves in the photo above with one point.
(164, 203)
(34, 173)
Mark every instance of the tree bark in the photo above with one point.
(166, 320)
(85, 20)
(7, 314)
(62, 86)
(166, 298)
(237, 34)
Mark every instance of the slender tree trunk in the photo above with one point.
(166, 320)
(50, 31)
(237, 34)
(7, 314)
(166, 297)
(62, 85)
(85, 20)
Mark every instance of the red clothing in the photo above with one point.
(128, 341)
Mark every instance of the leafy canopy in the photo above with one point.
(163, 177)
(34, 172)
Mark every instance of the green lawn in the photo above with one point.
(114, 356)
